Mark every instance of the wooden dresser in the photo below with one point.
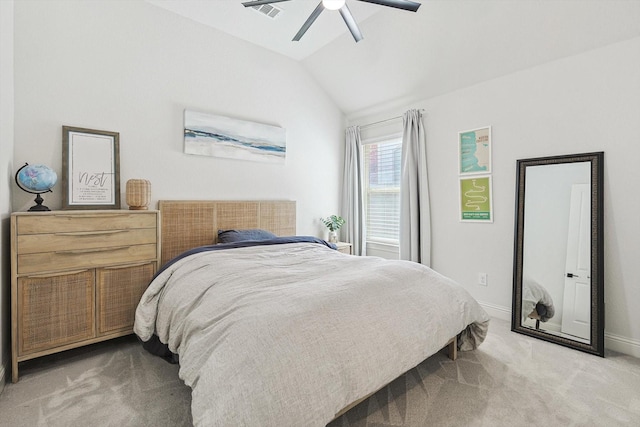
(77, 277)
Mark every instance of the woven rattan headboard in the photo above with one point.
(187, 224)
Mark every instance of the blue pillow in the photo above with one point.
(230, 236)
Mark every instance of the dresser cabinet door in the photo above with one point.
(119, 291)
(56, 310)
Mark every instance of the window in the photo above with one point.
(382, 163)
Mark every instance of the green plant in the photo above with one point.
(333, 222)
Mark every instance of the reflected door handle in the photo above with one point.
(572, 275)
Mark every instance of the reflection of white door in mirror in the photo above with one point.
(576, 313)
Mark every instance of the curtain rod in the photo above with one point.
(386, 120)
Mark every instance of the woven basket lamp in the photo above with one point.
(138, 194)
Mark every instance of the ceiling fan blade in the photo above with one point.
(351, 23)
(260, 2)
(314, 15)
(398, 4)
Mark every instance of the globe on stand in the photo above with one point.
(36, 179)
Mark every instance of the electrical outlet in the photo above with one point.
(482, 279)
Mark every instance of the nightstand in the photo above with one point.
(344, 247)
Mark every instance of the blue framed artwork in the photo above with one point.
(474, 149)
(220, 136)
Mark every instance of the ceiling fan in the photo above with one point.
(340, 5)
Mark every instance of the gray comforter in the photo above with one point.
(288, 335)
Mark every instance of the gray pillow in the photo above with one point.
(229, 236)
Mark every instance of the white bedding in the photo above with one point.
(288, 335)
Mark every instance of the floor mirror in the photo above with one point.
(558, 271)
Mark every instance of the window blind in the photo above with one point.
(382, 187)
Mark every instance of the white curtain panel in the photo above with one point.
(415, 217)
(352, 194)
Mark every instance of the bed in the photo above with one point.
(287, 331)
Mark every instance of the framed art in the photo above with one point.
(476, 204)
(474, 151)
(219, 136)
(90, 169)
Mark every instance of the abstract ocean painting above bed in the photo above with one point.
(219, 136)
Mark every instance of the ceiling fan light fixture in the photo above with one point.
(333, 4)
(341, 5)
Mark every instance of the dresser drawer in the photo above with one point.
(87, 258)
(34, 243)
(72, 222)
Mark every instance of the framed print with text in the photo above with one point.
(476, 204)
(474, 151)
(90, 169)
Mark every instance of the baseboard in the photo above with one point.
(612, 342)
(622, 344)
(497, 311)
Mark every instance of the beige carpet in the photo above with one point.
(511, 380)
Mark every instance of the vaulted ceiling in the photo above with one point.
(405, 56)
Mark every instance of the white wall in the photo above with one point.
(133, 68)
(6, 167)
(583, 103)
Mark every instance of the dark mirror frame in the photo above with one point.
(596, 345)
